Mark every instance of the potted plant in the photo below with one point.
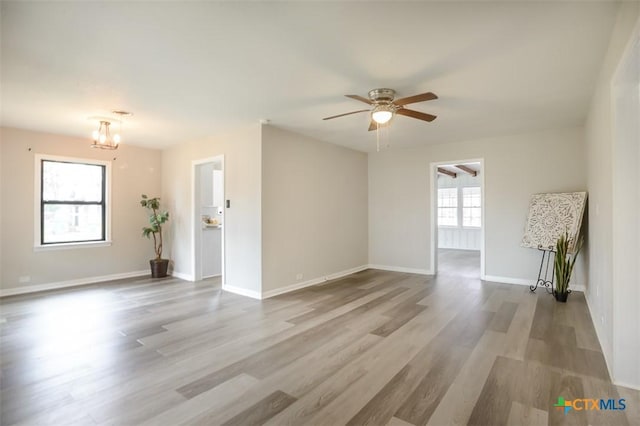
(563, 266)
(157, 218)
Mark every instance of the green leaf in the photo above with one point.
(156, 219)
(564, 262)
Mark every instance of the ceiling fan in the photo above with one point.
(384, 107)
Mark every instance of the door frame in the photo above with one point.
(434, 211)
(196, 231)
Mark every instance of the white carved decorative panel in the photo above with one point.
(550, 215)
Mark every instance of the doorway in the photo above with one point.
(208, 218)
(457, 225)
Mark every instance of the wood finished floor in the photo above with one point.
(378, 348)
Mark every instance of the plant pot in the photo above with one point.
(159, 268)
(561, 297)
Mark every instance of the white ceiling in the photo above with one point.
(196, 69)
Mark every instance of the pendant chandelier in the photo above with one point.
(104, 137)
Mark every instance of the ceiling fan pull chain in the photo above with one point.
(387, 130)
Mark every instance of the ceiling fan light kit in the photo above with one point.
(385, 106)
(382, 113)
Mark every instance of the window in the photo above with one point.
(470, 213)
(448, 206)
(72, 201)
(471, 207)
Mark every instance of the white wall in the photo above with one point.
(314, 209)
(242, 165)
(459, 237)
(134, 171)
(514, 168)
(2, 191)
(611, 322)
(626, 220)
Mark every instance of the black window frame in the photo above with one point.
(102, 203)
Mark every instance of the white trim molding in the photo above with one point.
(196, 224)
(182, 276)
(626, 385)
(242, 291)
(601, 341)
(522, 281)
(578, 287)
(433, 208)
(72, 246)
(312, 282)
(402, 269)
(37, 203)
(507, 280)
(71, 283)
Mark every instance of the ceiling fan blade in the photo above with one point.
(416, 98)
(374, 125)
(347, 113)
(360, 98)
(416, 114)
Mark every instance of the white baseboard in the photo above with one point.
(626, 385)
(212, 276)
(402, 269)
(242, 291)
(508, 280)
(71, 283)
(605, 354)
(600, 339)
(521, 281)
(182, 276)
(315, 281)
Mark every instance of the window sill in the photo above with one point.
(68, 246)
(459, 227)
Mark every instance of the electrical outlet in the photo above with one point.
(602, 319)
(24, 279)
(299, 277)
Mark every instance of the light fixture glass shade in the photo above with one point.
(102, 137)
(381, 117)
(382, 114)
